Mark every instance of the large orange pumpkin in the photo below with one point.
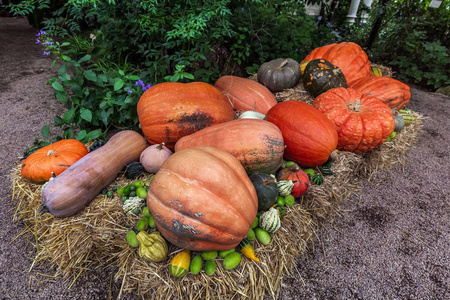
(363, 122)
(171, 110)
(202, 199)
(246, 94)
(349, 57)
(394, 93)
(257, 144)
(308, 135)
(55, 158)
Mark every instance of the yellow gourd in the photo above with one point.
(179, 265)
(247, 249)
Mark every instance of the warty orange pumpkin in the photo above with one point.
(171, 110)
(348, 56)
(202, 199)
(257, 144)
(52, 159)
(308, 135)
(362, 122)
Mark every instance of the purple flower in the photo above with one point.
(146, 87)
(242, 9)
(46, 53)
(49, 43)
(139, 82)
(42, 32)
(37, 41)
(128, 90)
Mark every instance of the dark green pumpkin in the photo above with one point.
(279, 74)
(266, 190)
(320, 76)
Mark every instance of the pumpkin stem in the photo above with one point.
(50, 152)
(294, 167)
(283, 64)
(160, 146)
(355, 106)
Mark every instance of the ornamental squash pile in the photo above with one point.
(221, 185)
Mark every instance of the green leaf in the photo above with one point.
(45, 131)
(61, 96)
(90, 75)
(92, 135)
(86, 114)
(118, 84)
(64, 77)
(58, 86)
(68, 115)
(65, 58)
(68, 133)
(84, 58)
(103, 77)
(65, 44)
(81, 135)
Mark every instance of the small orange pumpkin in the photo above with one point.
(54, 158)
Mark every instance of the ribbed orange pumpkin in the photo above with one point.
(363, 122)
(349, 57)
(257, 144)
(202, 199)
(171, 110)
(246, 94)
(56, 158)
(308, 135)
(394, 93)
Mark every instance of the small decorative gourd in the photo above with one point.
(247, 249)
(250, 114)
(152, 246)
(317, 179)
(298, 177)
(266, 190)
(281, 210)
(270, 220)
(285, 187)
(179, 265)
(399, 121)
(407, 116)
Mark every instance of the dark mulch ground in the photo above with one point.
(391, 241)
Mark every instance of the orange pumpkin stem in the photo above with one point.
(268, 182)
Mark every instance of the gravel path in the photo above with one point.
(391, 241)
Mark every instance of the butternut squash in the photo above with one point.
(69, 192)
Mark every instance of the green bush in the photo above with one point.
(415, 41)
(106, 47)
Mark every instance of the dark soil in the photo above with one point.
(391, 240)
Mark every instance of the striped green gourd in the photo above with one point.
(317, 179)
(285, 187)
(407, 116)
(281, 209)
(270, 220)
